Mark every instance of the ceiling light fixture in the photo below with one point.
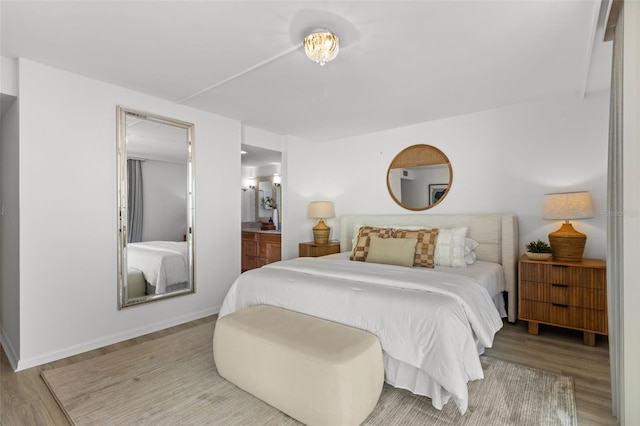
(321, 46)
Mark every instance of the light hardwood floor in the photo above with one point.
(25, 400)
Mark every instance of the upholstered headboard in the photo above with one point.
(496, 234)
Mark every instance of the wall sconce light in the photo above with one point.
(251, 184)
(567, 243)
(277, 180)
(321, 210)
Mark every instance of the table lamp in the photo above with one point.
(567, 243)
(321, 210)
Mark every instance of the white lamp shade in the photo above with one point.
(321, 209)
(568, 206)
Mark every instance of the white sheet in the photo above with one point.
(430, 328)
(163, 263)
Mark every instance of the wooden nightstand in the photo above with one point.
(315, 250)
(564, 294)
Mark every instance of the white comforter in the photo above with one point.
(163, 263)
(430, 327)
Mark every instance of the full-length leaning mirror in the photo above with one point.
(419, 177)
(155, 207)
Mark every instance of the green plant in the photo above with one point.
(538, 247)
(268, 203)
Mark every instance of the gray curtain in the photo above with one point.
(615, 229)
(134, 201)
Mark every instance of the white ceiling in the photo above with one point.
(400, 62)
(155, 140)
(256, 157)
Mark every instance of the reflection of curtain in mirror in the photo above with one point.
(134, 200)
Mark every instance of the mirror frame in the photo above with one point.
(122, 190)
(415, 156)
(276, 190)
(257, 192)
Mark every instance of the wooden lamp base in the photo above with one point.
(321, 233)
(567, 243)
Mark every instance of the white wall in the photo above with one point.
(164, 201)
(9, 234)
(68, 227)
(630, 375)
(262, 138)
(504, 160)
(8, 76)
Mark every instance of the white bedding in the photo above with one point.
(163, 263)
(430, 329)
(489, 275)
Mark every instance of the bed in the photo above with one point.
(432, 323)
(163, 264)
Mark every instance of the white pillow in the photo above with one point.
(450, 247)
(469, 254)
(470, 245)
(470, 258)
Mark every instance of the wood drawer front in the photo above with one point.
(271, 238)
(313, 250)
(275, 254)
(564, 294)
(249, 248)
(261, 261)
(264, 248)
(563, 315)
(563, 274)
(249, 263)
(249, 236)
(270, 251)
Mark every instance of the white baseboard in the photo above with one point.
(101, 342)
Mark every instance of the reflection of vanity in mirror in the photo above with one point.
(261, 239)
(419, 177)
(155, 207)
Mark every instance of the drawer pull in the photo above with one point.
(560, 266)
(560, 285)
(560, 305)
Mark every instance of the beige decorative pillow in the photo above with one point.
(392, 251)
(361, 248)
(425, 247)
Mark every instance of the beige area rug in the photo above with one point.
(173, 381)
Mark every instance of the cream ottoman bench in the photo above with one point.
(316, 371)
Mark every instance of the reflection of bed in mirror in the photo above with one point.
(157, 267)
(155, 207)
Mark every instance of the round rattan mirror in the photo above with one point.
(419, 177)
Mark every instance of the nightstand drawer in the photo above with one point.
(564, 315)
(564, 274)
(316, 250)
(564, 294)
